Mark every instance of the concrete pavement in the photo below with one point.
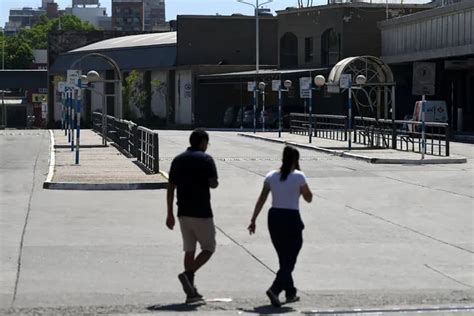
(99, 168)
(377, 237)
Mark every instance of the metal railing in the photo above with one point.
(135, 141)
(148, 148)
(402, 135)
(398, 134)
(324, 125)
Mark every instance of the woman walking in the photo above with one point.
(284, 221)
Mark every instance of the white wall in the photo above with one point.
(91, 15)
(183, 97)
(96, 99)
(160, 93)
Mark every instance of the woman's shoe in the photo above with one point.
(273, 298)
(292, 299)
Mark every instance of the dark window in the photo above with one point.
(308, 49)
(289, 50)
(109, 86)
(330, 47)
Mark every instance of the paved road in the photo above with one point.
(376, 236)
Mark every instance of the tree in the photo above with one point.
(37, 36)
(18, 54)
(18, 48)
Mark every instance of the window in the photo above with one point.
(308, 49)
(330, 47)
(288, 50)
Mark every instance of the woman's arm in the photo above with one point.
(306, 193)
(258, 207)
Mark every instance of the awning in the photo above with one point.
(265, 72)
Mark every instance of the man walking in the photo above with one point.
(193, 173)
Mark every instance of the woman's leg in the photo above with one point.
(294, 246)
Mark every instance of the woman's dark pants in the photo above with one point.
(286, 232)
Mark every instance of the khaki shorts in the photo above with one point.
(200, 230)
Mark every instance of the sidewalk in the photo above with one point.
(100, 167)
(359, 152)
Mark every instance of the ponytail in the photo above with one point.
(290, 159)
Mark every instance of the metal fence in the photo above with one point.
(402, 135)
(381, 133)
(324, 126)
(135, 141)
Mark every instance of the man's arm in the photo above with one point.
(213, 183)
(170, 199)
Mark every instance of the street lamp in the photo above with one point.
(93, 76)
(319, 81)
(256, 7)
(287, 85)
(360, 80)
(4, 109)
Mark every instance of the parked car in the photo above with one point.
(230, 115)
(248, 116)
(271, 117)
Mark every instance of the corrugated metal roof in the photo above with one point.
(153, 39)
(154, 57)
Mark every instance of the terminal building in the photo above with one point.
(192, 79)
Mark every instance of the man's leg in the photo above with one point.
(192, 263)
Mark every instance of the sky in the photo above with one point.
(175, 7)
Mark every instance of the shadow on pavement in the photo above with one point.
(177, 307)
(269, 310)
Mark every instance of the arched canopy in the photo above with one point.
(109, 60)
(373, 68)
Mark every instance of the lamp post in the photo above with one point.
(256, 7)
(360, 80)
(93, 76)
(319, 81)
(261, 88)
(287, 85)
(4, 109)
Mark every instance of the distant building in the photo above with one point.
(443, 38)
(22, 18)
(154, 12)
(128, 15)
(90, 11)
(44, 3)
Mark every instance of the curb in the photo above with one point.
(104, 186)
(52, 159)
(368, 159)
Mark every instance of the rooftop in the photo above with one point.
(153, 39)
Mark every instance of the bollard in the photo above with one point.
(78, 122)
(156, 165)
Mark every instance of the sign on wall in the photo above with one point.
(188, 90)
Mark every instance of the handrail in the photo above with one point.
(136, 141)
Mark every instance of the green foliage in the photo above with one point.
(134, 94)
(37, 36)
(18, 48)
(18, 54)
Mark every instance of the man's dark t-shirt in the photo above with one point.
(190, 172)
